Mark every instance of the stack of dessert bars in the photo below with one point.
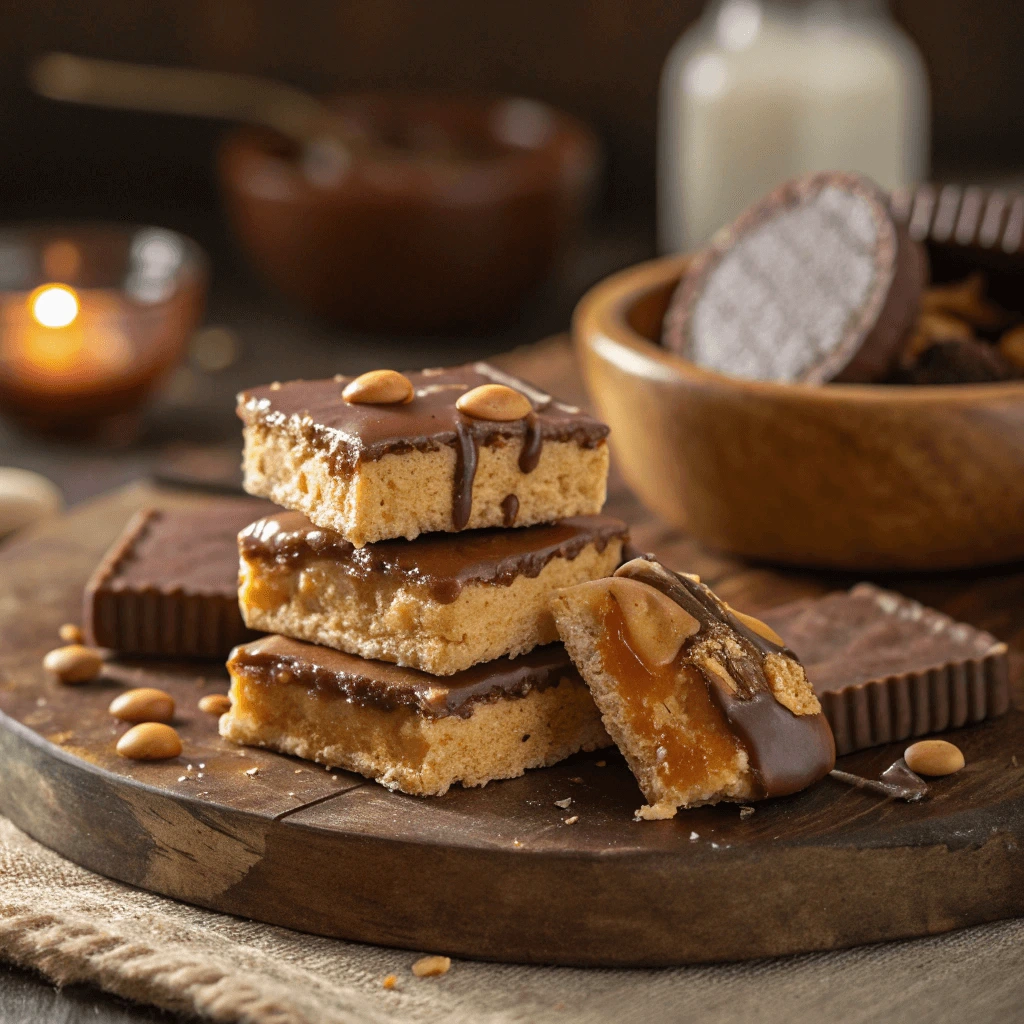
(407, 588)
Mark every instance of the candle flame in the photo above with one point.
(54, 305)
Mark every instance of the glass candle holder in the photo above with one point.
(92, 318)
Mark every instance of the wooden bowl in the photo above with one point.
(452, 223)
(845, 476)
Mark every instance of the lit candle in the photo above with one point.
(57, 340)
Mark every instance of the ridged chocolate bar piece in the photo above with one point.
(169, 585)
(886, 668)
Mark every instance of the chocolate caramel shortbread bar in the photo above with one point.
(408, 730)
(449, 450)
(440, 603)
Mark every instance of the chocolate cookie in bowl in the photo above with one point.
(916, 466)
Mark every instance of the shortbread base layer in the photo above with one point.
(411, 752)
(320, 602)
(404, 495)
(635, 724)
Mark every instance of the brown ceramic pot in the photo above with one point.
(857, 477)
(450, 221)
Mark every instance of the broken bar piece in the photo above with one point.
(704, 702)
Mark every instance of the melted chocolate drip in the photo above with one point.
(787, 752)
(897, 781)
(533, 441)
(441, 562)
(509, 510)
(465, 472)
(326, 673)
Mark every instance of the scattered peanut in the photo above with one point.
(74, 663)
(70, 633)
(933, 757)
(379, 387)
(494, 402)
(145, 704)
(431, 966)
(390, 981)
(215, 703)
(150, 741)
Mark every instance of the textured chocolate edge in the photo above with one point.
(154, 621)
(968, 217)
(922, 701)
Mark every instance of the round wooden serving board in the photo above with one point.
(489, 873)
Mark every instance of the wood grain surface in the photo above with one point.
(495, 873)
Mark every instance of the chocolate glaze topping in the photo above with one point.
(278, 660)
(442, 562)
(787, 752)
(354, 433)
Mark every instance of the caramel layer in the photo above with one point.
(680, 719)
(278, 660)
(443, 563)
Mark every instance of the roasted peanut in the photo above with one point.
(74, 663)
(145, 704)
(933, 757)
(656, 625)
(494, 402)
(70, 633)
(215, 703)
(150, 741)
(379, 387)
(431, 966)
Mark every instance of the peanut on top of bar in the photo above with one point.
(391, 455)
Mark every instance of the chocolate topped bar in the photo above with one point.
(442, 563)
(815, 283)
(886, 668)
(277, 660)
(438, 457)
(169, 585)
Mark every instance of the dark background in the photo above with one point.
(598, 58)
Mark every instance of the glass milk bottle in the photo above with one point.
(761, 90)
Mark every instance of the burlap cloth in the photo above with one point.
(74, 926)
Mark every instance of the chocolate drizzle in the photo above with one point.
(509, 510)
(787, 752)
(330, 674)
(465, 472)
(532, 444)
(442, 563)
